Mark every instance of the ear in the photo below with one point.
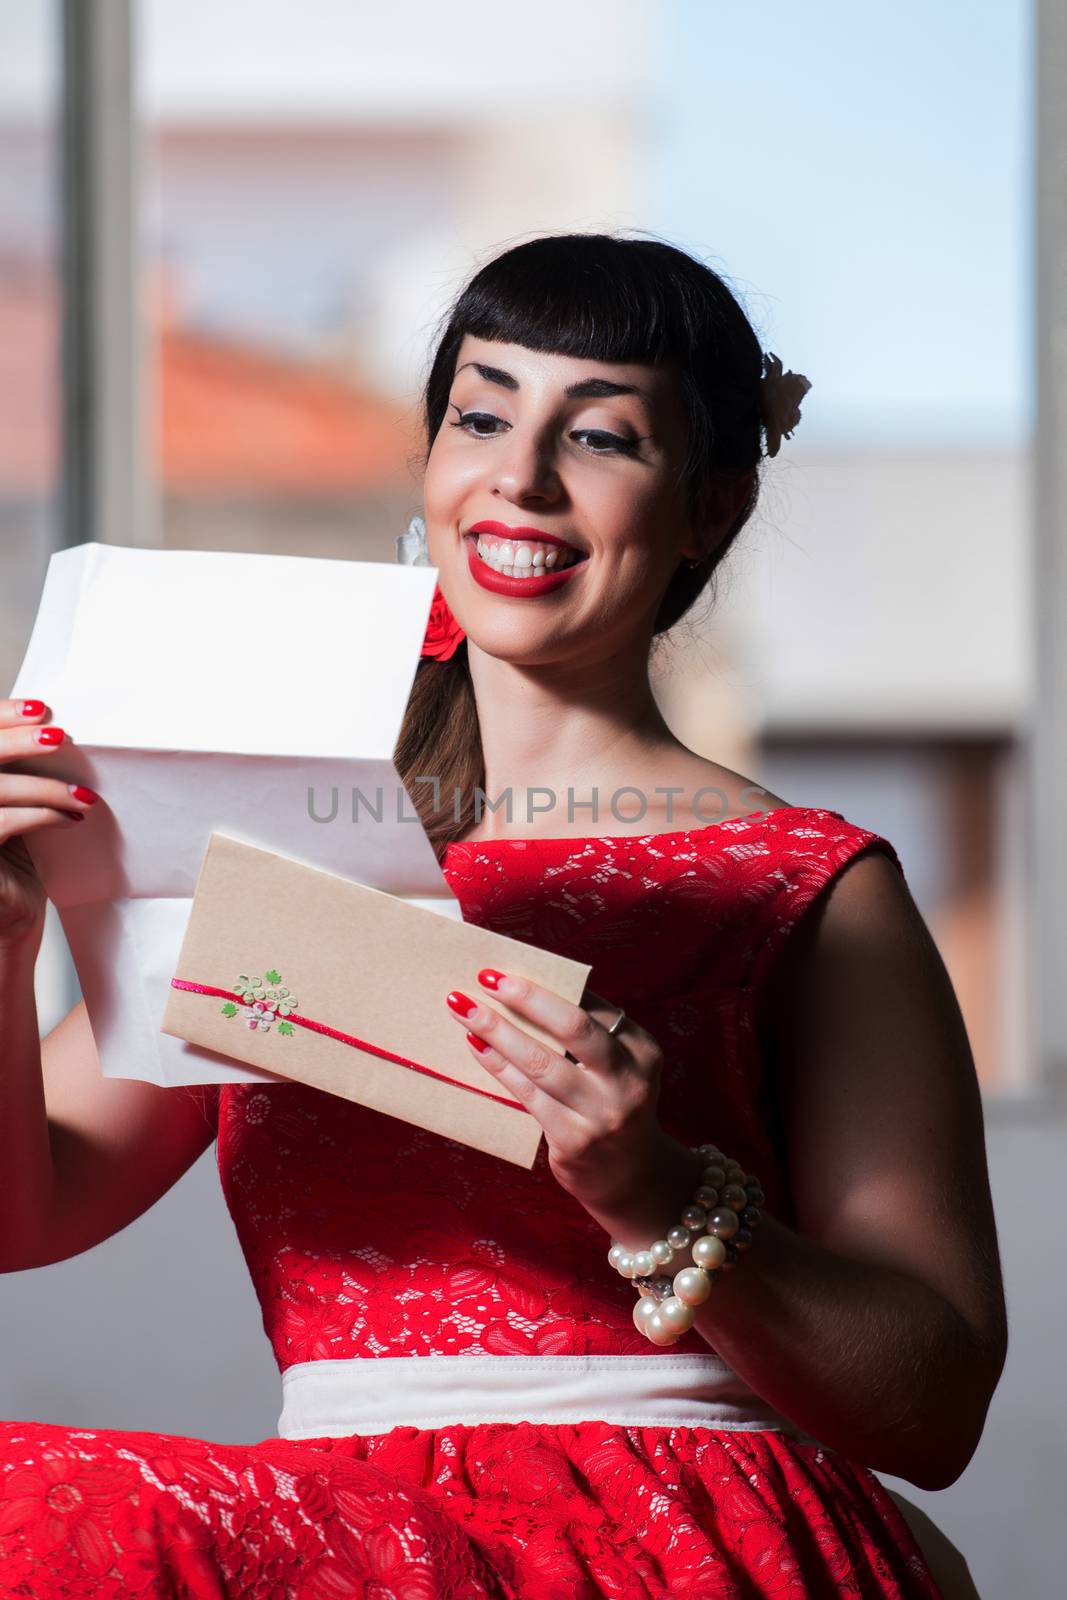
(720, 501)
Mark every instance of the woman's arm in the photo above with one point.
(878, 1326)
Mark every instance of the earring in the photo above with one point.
(411, 547)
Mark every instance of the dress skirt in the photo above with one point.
(543, 1503)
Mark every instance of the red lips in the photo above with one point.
(517, 588)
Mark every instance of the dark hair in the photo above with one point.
(605, 298)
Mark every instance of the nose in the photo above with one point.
(524, 470)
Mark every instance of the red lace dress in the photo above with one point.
(369, 1240)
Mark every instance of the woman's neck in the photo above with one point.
(548, 733)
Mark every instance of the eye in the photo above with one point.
(613, 443)
(468, 417)
(616, 443)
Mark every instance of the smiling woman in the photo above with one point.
(762, 1116)
(612, 390)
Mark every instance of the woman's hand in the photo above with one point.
(598, 1110)
(29, 802)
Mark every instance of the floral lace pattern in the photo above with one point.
(492, 1512)
(367, 1237)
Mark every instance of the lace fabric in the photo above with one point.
(368, 1238)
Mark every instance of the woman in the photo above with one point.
(603, 403)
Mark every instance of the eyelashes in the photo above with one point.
(617, 445)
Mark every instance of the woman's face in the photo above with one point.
(599, 469)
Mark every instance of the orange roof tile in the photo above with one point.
(232, 419)
(237, 418)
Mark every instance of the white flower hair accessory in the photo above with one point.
(411, 547)
(780, 397)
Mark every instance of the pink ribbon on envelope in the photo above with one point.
(350, 1039)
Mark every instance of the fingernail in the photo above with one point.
(75, 816)
(88, 797)
(461, 1003)
(49, 735)
(479, 1044)
(490, 977)
(32, 708)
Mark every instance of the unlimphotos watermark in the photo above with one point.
(394, 804)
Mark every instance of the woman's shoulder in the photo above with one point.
(812, 838)
(817, 858)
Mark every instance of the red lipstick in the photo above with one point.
(517, 588)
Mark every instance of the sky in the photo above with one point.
(861, 173)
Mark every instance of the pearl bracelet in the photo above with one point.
(717, 1224)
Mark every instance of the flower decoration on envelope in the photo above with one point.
(262, 1006)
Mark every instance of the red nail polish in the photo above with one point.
(479, 1044)
(49, 735)
(461, 1003)
(32, 708)
(88, 797)
(490, 977)
(75, 816)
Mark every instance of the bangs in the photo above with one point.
(575, 295)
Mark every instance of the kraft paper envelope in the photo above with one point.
(324, 953)
(262, 695)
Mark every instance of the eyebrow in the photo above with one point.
(584, 389)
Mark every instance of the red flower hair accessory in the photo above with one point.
(443, 633)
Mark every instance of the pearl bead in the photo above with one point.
(723, 1223)
(625, 1264)
(756, 1196)
(734, 1197)
(694, 1216)
(643, 1310)
(741, 1239)
(661, 1253)
(709, 1252)
(615, 1254)
(734, 1173)
(692, 1286)
(678, 1238)
(657, 1330)
(714, 1176)
(644, 1265)
(676, 1314)
(708, 1150)
(707, 1197)
(750, 1216)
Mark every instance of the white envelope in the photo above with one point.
(258, 695)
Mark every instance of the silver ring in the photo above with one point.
(617, 1024)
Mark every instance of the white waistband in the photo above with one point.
(368, 1395)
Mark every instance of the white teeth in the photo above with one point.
(515, 560)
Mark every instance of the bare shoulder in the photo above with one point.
(862, 964)
(865, 925)
(712, 792)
